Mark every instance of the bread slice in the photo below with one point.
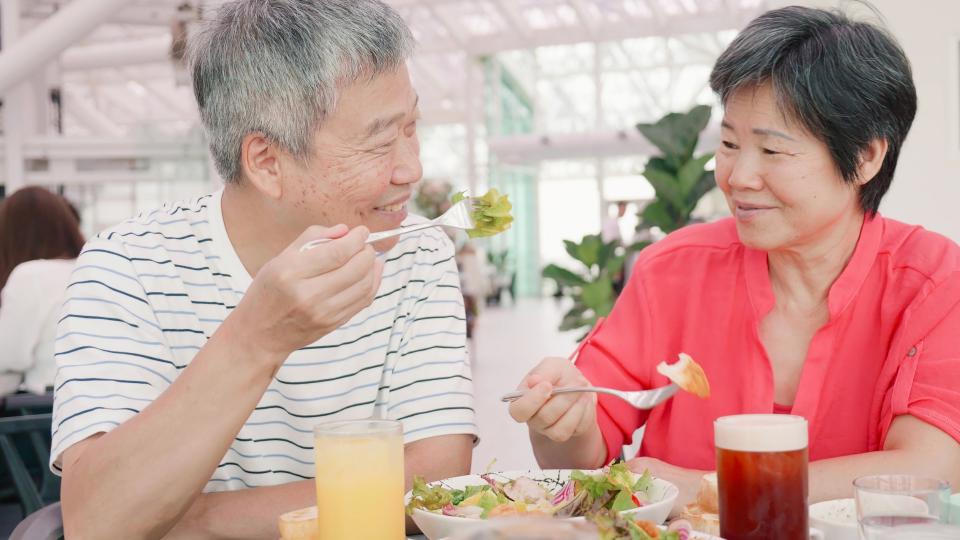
(687, 374)
(299, 525)
(708, 498)
(704, 515)
(701, 521)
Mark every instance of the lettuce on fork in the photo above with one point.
(491, 214)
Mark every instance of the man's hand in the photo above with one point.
(300, 296)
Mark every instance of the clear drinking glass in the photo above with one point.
(360, 479)
(895, 502)
(762, 476)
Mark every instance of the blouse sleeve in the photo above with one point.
(926, 382)
(610, 356)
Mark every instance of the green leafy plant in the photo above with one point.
(679, 179)
(590, 287)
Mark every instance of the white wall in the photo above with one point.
(926, 189)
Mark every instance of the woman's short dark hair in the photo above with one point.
(36, 224)
(846, 82)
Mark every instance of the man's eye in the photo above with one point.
(770, 152)
(729, 145)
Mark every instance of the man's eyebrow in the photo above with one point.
(761, 131)
(380, 124)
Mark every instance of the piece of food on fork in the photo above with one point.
(687, 374)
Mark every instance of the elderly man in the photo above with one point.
(199, 345)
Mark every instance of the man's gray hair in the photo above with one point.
(275, 67)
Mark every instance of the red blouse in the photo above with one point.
(891, 345)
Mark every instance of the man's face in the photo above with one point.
(365, 158)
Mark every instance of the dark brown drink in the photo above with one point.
(762, 477)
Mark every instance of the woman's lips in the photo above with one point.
(748, 213)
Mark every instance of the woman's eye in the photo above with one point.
(770, 152)
(729, 145)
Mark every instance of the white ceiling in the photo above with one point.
(139, 89)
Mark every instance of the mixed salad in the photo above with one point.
(491, 213)
(600, 497)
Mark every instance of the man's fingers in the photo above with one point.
(327, 256)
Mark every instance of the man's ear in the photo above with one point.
(871, 159)
(261, 164)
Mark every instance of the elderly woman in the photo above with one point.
(805, 301)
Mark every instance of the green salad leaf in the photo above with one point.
(614, 526)
(429, 497)
(491, 214)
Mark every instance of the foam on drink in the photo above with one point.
(761, 433)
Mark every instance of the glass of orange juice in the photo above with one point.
(359, 479)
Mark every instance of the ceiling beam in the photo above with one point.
(608, 31)
(42, 44)
(117, 53)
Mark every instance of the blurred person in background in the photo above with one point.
(610, 230)
(40, 239)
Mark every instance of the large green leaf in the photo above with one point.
(588, 252)
(576, 318)
(563, 277)
(657, 213)
(676, 134)
(690, 173)
(598, 296)
(665, 184)
(614, 265)
(704, 185)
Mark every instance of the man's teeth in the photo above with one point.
(392, 208)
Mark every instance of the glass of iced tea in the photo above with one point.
(892, 502)
(762, 476)
(360, 479)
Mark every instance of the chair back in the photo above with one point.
(37, 428)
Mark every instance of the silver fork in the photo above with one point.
(641, 399)
(457, 216)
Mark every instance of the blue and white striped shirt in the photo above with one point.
(146, 295)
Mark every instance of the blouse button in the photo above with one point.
(912, 351)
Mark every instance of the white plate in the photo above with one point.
(836, 518)
(436, 526)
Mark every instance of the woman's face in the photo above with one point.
(780, 182)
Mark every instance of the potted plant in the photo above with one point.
(679, 179)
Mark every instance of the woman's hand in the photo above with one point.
(686, 480)
(561, 417)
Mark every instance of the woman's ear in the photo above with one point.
(871, 159)
(261, 164)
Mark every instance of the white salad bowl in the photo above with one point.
(435, 525)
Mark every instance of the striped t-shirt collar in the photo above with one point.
(222, 246)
